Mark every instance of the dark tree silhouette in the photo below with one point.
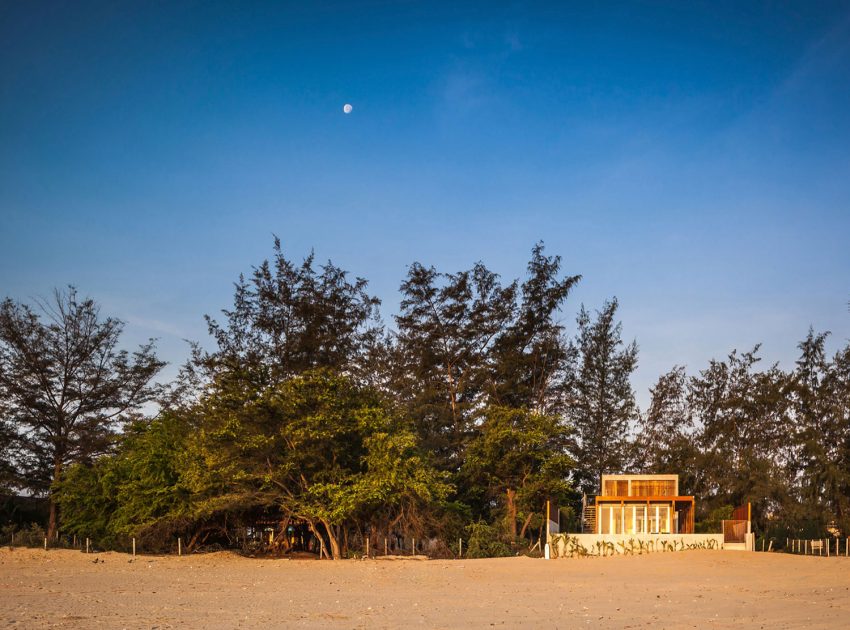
(65, 386)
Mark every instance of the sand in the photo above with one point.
(693, 589)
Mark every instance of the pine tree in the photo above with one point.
(820, 407)
(446, 330)
(531, 358)
(291, 318)
(602, 402)
(744, 437)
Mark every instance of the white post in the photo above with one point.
(134, 547)
(367, 546)
(413, 552)
(179, 546)
(45, 543)
(460, 547)
(87, 545)
(547, 550)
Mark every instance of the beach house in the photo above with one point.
(639, 504)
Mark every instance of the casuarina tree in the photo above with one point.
(602, 402)
(66, 386)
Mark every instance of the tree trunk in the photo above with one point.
(511, 513)
(525, 525)
(335, 551)
(53, 519)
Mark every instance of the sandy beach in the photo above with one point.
(69, 589)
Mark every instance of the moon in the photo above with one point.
(347, 108)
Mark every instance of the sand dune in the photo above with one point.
(694, 589)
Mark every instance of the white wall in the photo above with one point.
(570, 545)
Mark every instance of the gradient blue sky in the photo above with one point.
(692, 159)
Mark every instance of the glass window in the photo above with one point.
(664, 519)
(640, 519)
(605, 519)
(629, 519)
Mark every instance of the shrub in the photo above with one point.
(485, 541)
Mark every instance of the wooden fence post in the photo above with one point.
(88, 540)
(386, 547)
(179, 546)
(413, 551)
(134, 547)
(460, 547)
(45, 543)
(367, 546)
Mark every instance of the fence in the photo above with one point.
(826, 547)
(35, 537)
(735, 531)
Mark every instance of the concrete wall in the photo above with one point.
(573, 545)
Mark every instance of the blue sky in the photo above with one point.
(692, 159)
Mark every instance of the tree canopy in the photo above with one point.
(306, 418)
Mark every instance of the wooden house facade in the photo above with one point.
(641, 504)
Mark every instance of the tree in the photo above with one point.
(316, 447)
(66, 386)
(521, 459)
(820, 403)
(665, 441)
(291, 318)
(531, 359)
(746, 435)
(602, 402)
(446, 330)
(8, 477)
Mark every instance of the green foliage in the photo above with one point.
(520, 459)
(462, 423)
(30, 536)
(129, 493)
(316, 446)
(485, 541)
(603, 406)
(713, 522)
(65, 387)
